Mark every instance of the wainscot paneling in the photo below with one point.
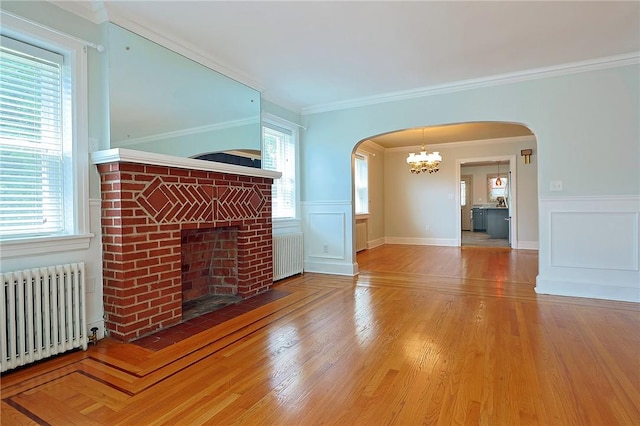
(592, 247)
(328, 241)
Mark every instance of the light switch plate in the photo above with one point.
(555, 185)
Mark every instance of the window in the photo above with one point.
(463, 193)
(279, 154)
(496, 191)
(361, 184)
(43, 138)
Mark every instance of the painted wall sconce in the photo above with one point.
(526, 155)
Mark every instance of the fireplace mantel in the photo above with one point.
(122, 155)
(149, 201)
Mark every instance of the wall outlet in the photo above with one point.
(325, 248)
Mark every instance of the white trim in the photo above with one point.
(447, 242)
(286, 226)
(98, 47)
(376, 243)
(93, 11)
(187, 132)
(527, 245)
(463, 144)
(495, 80)
(332, 268)
(266, 116)
(326, 203)
(628, 292)
(591, 198)
(44, 245)
(117, 155)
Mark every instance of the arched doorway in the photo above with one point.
(424, 209)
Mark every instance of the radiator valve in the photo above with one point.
(94, 335)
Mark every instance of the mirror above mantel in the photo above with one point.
(165, 103)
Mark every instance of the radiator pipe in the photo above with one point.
(94, 335)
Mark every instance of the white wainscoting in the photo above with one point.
(590, 247)
(328, 231)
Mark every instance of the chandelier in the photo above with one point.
(424, 162)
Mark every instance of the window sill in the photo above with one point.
(362, 216)
(286, 226)
(44, 245)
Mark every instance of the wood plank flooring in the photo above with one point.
(424, 335)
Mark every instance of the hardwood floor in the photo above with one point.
(424, 335)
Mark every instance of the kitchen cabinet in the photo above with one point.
(497, 222)
(479, 219)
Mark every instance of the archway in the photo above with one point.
(424, 209)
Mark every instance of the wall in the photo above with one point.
(578, 119)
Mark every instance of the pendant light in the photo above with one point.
(498, 180)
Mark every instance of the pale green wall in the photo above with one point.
(581, 122)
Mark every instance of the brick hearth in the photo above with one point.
(146, 208)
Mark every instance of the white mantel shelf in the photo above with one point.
(122, 155)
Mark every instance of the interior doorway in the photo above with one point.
(488, 204)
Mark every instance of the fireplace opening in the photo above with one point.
(209, 262)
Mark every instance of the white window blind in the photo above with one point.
(279, 154)
(31, 144)
(361, 183)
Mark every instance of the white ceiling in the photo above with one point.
(309, 55)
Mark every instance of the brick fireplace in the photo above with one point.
(152, 207)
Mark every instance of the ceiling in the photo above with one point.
(309, 55)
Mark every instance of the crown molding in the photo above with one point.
(91, 10)
(462, 144)
(187, 132)
(368, 143)
(496, 80)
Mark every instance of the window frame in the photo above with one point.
(77, 234)
(276, 123)
(491, 178)
(359, 156)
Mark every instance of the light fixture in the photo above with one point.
(526, 155)
(498, 180)
(424, 162)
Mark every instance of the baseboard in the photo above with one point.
(375, 243)
(527, 245)
(451, 242)
(626, 293)
(332, 268)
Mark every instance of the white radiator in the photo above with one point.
(43, 313)
(362, 235)
(287, 255)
